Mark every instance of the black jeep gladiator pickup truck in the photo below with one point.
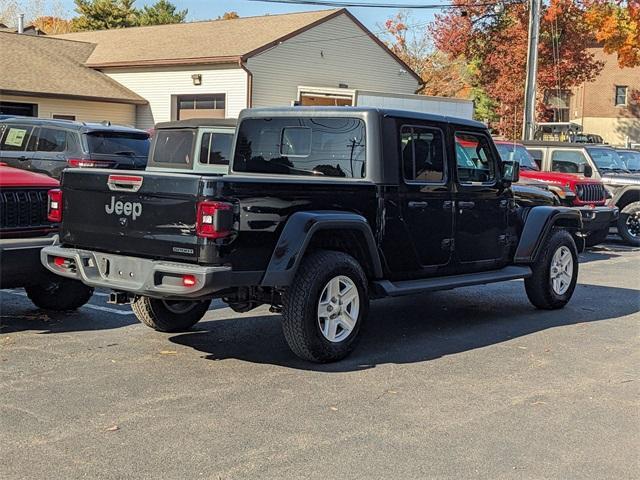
(322, 210)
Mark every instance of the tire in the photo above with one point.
(59, 294)
(629, 224)
(543, 293)
(597, 237)
(169, 316)
(323, 284)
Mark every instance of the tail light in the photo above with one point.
(54, 205)
(214, 219)
(83, 163)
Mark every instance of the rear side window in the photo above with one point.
(215, 148)
(51, 140)
(537, 156)
(323, 147)
(173, 148)
(422, 154)
(474, 160)
(568, 161)
(118, 143)
(15, 138)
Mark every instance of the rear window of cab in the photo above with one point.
(322, 147)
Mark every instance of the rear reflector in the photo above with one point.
(54, 205)
(188, 280)
(214, 219)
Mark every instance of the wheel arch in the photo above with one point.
(304, 231)
(627, 196)
(538, 224)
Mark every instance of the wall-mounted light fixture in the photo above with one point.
(197, 79)
(343, 85)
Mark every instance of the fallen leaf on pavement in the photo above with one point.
(113, 428)
(168, 352)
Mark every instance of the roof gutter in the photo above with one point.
(21, 93)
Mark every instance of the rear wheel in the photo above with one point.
(59, 294)
(555, 273)
(325, 307)
(629, 224)
(169, 315)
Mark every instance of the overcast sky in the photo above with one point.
(208, 9)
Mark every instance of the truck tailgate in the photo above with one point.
(142, 213)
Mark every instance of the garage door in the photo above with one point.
(201, 106)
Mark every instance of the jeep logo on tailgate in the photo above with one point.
(133, 209)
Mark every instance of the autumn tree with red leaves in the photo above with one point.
(494, 43)
(617, 25)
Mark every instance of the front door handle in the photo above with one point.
(414, 204)
(23, 158)
(466, 205)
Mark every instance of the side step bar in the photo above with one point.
(409, 287)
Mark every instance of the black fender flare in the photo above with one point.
(537, 225)
(298, 232)
(632, 191)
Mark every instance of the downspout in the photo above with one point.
(21, 23)
(242, 65)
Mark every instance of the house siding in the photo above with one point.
(336, 51)
(158, 85)
(84, 111)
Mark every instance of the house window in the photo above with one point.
(63, 117)
(19, 109)
(200, 106)
(621, 96)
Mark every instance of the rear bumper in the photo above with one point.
(143, 276)
(20, 260)
(598, 218)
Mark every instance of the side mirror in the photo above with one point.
(510, 171)
(588, 171)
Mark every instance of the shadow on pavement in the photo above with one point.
(416, 329)
(14, 317)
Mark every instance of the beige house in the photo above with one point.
(605, 106)
(217, 68)
(46, 77)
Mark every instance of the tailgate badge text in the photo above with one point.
(132, 209)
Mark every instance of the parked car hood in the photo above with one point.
(621, 179)
(557, 177)
(14, 177)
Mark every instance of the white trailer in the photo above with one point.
(452, 107)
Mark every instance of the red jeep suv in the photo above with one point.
(573, 190)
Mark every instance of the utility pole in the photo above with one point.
(529, 124)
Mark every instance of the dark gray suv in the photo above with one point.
(49, 146)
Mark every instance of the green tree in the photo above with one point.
(104, 14)
(162, 12)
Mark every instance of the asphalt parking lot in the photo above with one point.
(473, 383)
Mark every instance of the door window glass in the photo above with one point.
(215, 148)
(474, 160)
(15, 138)
(537, 156)
(52, 140)
(568, 161)
(422, 154)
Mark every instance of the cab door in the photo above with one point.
(481, 203)
(425, 196)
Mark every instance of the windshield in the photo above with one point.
(510, 151)
(118, 143)
(631, 160)
(607, 159)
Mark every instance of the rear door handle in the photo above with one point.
(466, 205)
(418, 204)
(23, 158)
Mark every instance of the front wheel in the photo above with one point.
(629, 224)
(555, 272)
(325, 307)
(169, 315)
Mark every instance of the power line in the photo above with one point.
(331, 3)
